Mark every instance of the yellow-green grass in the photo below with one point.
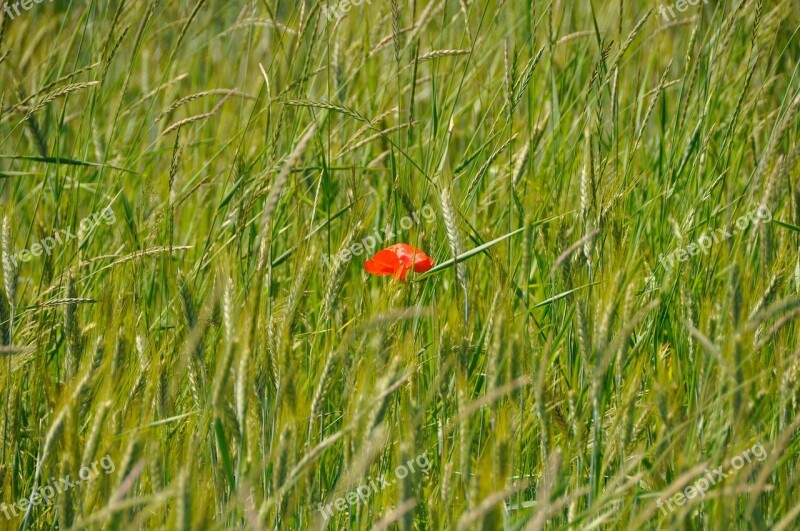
(553, 369)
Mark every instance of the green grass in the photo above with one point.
(554, 373)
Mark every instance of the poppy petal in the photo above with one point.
(397, 260)
(422, 263)
(404, 252)
(383, 263)
(387, 258)
(375, 268)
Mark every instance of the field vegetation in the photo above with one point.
(574, 359)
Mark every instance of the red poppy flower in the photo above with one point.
(396, 260)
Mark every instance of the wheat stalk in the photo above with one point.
(336, 278)
(451, 229)
(198, 117)
(62, 91)
(71, 328)
(275, 193)
(435, 54)
(192, 97)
